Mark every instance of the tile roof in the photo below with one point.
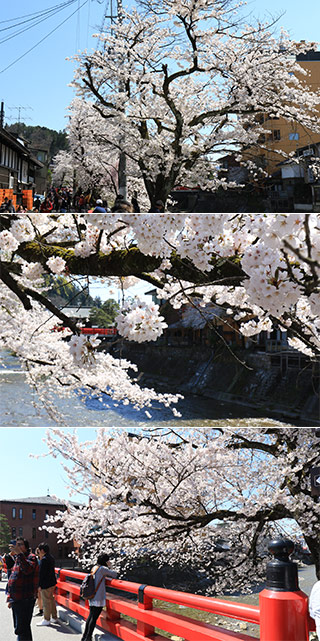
(43, 500)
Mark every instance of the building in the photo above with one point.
(43, 156)
(18, 167)
(26, 515)
(285, 135)
(77, 313)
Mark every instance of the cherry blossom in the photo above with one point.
(262, 269)
(174, 86)
(56, 264)
(140, 322)
(176, 493)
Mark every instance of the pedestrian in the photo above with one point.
(122, 206)
(47, 584)
(135, 203)
(9, 561)
(10, 207)
(157, 208)
(4, 205)
(314, 605)
(100, 571)
(39, 597)
(99, 206)
(118, 200)
(22, 588)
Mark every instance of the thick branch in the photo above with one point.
(130, 262)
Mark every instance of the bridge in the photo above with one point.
(136, 612)
(69, 627)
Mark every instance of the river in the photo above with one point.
(20, 407)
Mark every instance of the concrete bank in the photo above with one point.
(276, 387)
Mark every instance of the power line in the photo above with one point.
(17, 33)
(38, 14)
(44, 38)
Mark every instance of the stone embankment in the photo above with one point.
(281, 386)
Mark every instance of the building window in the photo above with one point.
(294, 136)
(13, 512)
(20, 531)
(13, 532)
(34, 533)
(47, 513)
(20, 513)
(34, 514)
(276, 134)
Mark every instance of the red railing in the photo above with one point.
(102, 331)
(147, 617)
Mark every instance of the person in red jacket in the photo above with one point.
(46, 206)
(22, 588)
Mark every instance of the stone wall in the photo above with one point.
(198, 369)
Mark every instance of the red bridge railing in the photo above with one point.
(282, 616)
(100, 331)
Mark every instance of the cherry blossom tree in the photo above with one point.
(180, 493)
(63, 173)
(261, 269)
(179, 83)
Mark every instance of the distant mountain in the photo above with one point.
(41, 137)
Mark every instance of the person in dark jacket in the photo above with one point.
(47, 583)
(22, 588)
(9, 561)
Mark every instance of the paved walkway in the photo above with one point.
(68, 629)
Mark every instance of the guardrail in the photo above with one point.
(282, 612)
(149, 617)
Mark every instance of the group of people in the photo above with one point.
(32, 577)
(61, 200)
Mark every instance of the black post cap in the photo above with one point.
(282, 574)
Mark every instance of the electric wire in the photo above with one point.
(44, 38)
(37, 13)
(14, 35)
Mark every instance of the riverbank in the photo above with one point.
(256, 382)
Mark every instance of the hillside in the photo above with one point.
(41, 137)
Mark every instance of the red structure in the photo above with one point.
(281, 616)
(101, 331)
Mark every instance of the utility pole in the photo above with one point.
(115, 15)
(2, 116)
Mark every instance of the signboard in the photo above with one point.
(315, 481)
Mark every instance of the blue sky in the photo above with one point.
(38, 82)
(22, 476)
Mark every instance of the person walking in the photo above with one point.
(47, 583)
(314, 605)
(22, 588)
(100, 571)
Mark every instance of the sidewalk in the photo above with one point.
(70, 626)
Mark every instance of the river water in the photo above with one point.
(20, 407)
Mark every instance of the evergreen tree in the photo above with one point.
(104, 317)
(5, 534)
